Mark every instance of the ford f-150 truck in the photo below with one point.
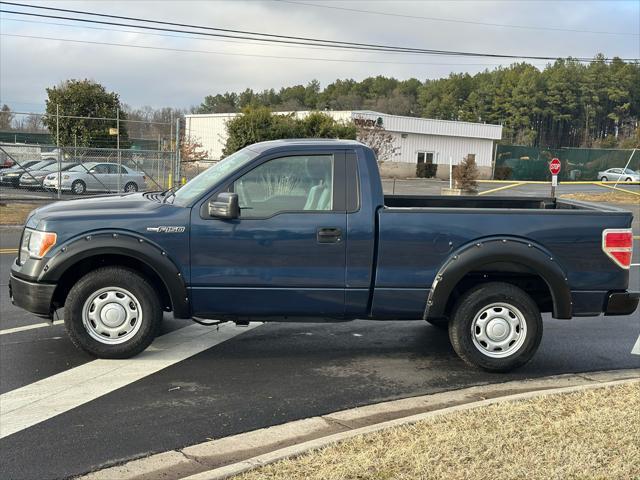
(300, 230)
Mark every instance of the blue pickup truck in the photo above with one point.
(300, 230)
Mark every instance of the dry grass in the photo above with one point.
(591, 434)
(611, 197)
(15, 213)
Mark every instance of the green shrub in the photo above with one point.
(426, 170)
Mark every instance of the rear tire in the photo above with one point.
(496, 327)
(628, 179)
(78, 187)
(112, 312)
(131, 187)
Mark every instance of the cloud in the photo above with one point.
(181, 79)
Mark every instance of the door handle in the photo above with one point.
(329, 235)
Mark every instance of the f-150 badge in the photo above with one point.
(166, 229)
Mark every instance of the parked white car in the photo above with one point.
(35, 178)
(97, 177)
(622, 174)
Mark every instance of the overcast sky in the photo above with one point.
(182, 79)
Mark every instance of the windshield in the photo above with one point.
(39, 165)
(54, 166)
(207, 179)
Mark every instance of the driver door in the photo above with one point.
(285, 255)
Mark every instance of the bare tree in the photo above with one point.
(379, 140)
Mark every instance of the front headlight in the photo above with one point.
(36, 244)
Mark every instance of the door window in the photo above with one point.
(100, 169)
(425, 157)
(287, 184)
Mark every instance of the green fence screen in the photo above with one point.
(514, 162)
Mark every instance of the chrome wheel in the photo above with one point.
(78, 187)
(499, 330)
(112, 315)
(130, 187)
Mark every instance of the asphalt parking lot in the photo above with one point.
(260, 376)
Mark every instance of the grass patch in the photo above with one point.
(15, 213)
(611, 197)
(590, 434)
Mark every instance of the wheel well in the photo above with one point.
(84, 266)
(519, 275)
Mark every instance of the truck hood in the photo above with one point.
(133, 211)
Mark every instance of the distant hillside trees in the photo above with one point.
(568, 103)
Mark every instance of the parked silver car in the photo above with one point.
(97, 177)
(35, 178)
(622, 174)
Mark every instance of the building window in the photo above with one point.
(425, 157)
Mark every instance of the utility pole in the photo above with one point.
(58, 149)
(118, 148)
(177, 169)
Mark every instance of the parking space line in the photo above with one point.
(24, 328)
(517, 184)
(601, 184)
(44, 399)
(7, 251)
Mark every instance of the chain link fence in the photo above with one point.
(68, 172)
(515, 162)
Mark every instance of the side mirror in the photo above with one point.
(225, 205)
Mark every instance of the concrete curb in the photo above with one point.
(225, 457)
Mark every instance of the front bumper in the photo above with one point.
(31, 296)
(31, 182)
(621, 303)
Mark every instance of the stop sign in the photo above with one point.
(554, 166)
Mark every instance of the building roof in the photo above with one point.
(430, 126)
(398, 123)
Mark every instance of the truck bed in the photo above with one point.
(477, 201)
(415, 234)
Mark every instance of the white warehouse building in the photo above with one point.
(416, 140)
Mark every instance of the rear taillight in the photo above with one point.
(618, 245)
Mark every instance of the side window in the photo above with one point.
(101, 168)
(287, 184)
(112, 169)
(123, 170)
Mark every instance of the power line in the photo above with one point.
(281, 57)
(185, 37)
(280, 38)
(456, 20)
(202, 27)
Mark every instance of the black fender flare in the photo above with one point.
(474, 255)
(128, 244)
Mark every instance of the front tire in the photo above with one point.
(78, 187)
(604, 179)
(112, 312)
(496, 327)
